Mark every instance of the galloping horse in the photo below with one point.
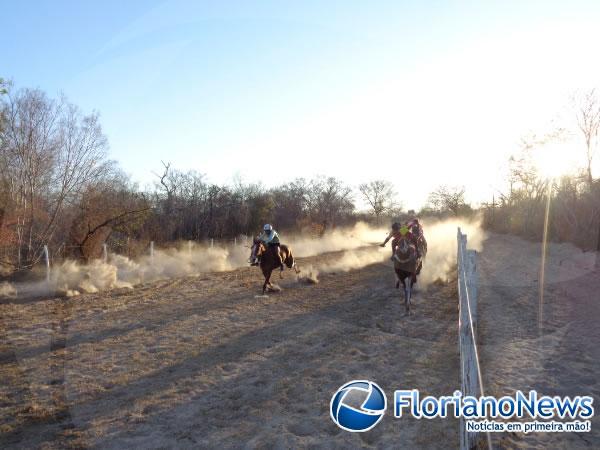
(407, 266)
(269, 261)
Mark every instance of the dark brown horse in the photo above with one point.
(407, 265)
(269, 261)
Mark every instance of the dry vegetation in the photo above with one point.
(574, 213)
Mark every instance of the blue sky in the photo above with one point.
(420, 93)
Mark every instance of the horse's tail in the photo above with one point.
(288, 257)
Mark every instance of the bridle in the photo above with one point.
(404, 249)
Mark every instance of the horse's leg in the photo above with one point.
(397, 279)
(407, 294)
(267, 280)
(280, 260)
(295, 266)
(267, 275)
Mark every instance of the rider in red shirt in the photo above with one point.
(412, 230)
(416, 234)
(396, 234)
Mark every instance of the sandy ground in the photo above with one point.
(206, 362)
(552, 345)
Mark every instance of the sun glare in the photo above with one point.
(552, 160)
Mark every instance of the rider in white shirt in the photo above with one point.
(270, 238)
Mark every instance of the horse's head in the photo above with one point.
(405, 250)
(258, 248)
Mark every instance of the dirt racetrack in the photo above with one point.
(206, 362)
(553, 345)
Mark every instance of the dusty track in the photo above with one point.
(207, 362)
(556, 352)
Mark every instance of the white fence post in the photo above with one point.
(470, 372)
(47, 258)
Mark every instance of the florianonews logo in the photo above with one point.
(358, 406)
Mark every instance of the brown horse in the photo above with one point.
(269, 261)
(407, 266)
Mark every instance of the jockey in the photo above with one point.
(398, 231)
(270, 238)
(415, 227)
(416, 233)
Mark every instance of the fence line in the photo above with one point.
(470, 369)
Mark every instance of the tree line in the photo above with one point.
(59, 188)
(570, 201)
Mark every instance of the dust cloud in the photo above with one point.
(71, 278)
(441, 256)
(358, 243)
(441, 244)
(355, 237)
(7, 290)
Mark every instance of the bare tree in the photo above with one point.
(446, 198)
(49, 153)
(169, 182)
(379, 194)
(105, 207)
(329, 201)
(3, 91)
(587, 112)
(291, 203)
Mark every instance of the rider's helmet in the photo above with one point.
(268, 228)
(396, 226)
